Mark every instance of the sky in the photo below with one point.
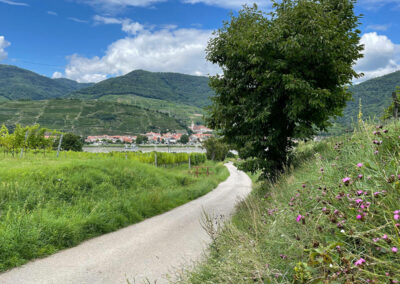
(91, 40)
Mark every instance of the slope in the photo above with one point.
(17, 83)
(86, 117)
(375, 94)
(174, 87)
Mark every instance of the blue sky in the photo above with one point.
(90, 40)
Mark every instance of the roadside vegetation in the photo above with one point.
(332, 217)
(48, 203)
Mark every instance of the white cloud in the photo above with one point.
(127, 25)
(180, 50)
(77, 20)
(381, 56)
(9, 2)
(52, 13)
(3, 45)
(235, 4)
(113, 5)
(378, 27)
(57, 75)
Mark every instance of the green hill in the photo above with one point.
(89, 117)
(185, 113)
(173, 87)
(17, 83)
(375, 94)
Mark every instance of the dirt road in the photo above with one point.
(145, 251)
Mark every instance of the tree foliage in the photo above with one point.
(71, 142)
(141, 139)
(284, 76)
(216, 149)
(184, 139)
(26, 138)
(389, 111)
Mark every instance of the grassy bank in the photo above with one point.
(332, 218)
(47, 204)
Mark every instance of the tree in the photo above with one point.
(184, 139)
(216, 149)
(141, 139)
(389, 111)
(71, 142)
(284, 76)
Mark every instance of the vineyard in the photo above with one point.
(31, 140)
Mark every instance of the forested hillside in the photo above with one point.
(375, 94)
(173, 87)
(17, 83)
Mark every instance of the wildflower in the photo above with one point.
(376, 240)
(299, 217)
(283, 256)
(360, 192)
(358, 201)
(359, 217)
(304, 186)
(376, 152)
(322, 170)
(360, 176)
(346, 180)
(394, 249)
(359, 262)
(360, 165)
(384, 237)
(385, 131)
(396, 217)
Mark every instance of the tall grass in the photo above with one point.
(334, 218)
(47, 204)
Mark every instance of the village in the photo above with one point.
(199, 134)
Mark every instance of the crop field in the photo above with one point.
(48, 203)
(86, 117)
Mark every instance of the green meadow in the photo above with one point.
(48, 203)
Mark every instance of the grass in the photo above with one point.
(48, 204)
(313, 226)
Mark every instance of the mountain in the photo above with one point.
(173, 87)
(71, 85)
(89, 117)
(375, 94)
(17, 83)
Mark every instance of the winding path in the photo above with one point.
(147, 251)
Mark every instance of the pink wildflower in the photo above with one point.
(396, 217)
(360, 192)
(346, 180)
(359, 262)
(359, 217)
(299, 217)
(360, 176)
(360, 165)
(394, 249)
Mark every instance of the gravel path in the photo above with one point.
(147, 251)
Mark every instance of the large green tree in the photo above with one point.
(284, 76)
